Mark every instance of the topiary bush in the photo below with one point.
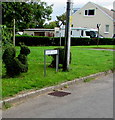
(22, 57)
(61, 58)
(15, 65)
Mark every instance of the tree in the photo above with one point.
(26, 14)
(6, 35)
(61, 19)
(51, 25)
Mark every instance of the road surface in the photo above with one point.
(87, 100)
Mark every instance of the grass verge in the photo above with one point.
(84, 63)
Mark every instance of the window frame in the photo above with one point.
(87, 11)
(107, 28)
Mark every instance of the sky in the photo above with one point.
(59, 6)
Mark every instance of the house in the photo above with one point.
(40, 32)
(92, 14)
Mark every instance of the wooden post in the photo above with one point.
(14, 34)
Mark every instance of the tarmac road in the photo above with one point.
(87, 100)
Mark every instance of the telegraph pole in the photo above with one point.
(67, 37)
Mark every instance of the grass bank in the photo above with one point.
(84, 62)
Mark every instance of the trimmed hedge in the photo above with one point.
(55, 41)
(33, 40)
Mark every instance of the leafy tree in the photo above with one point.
(26, 14)
(6, 35)
(61, 19)
(51, 25)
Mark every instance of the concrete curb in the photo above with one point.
(22, 97)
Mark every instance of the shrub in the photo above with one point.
(61, 58)
(55, 41)
(33, 40)
(15, 65)
(22, 57)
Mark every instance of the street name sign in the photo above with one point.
(51, 52)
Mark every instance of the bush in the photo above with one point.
(15, 65)
(61, 58)
(80, 41)
(55, 41)
(33, 40)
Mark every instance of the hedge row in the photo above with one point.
(55, 41)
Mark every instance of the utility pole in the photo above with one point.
(67, 37)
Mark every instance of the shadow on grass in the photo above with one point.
(7, 77)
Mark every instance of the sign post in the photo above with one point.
(51, 52)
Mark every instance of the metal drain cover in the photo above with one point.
(59, 93)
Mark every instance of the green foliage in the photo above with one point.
(15, 65)
(9, 54)
(6, 105)
(7, 35)
(51, 25)
(61, 58)
(26, 14)
(55, 41)
(33, 40)
(24, 50)
(85, 61)
(62, 19)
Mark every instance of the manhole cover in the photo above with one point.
(59, 93)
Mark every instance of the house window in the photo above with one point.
(89, 12)
(82, 33)
(86, 12)
(107, 28)
(71, 32)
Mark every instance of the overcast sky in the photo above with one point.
(60, 5)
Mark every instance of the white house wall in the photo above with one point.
(29, 32)
(80, 20)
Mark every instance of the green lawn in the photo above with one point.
(100, 46)
(84, 62)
